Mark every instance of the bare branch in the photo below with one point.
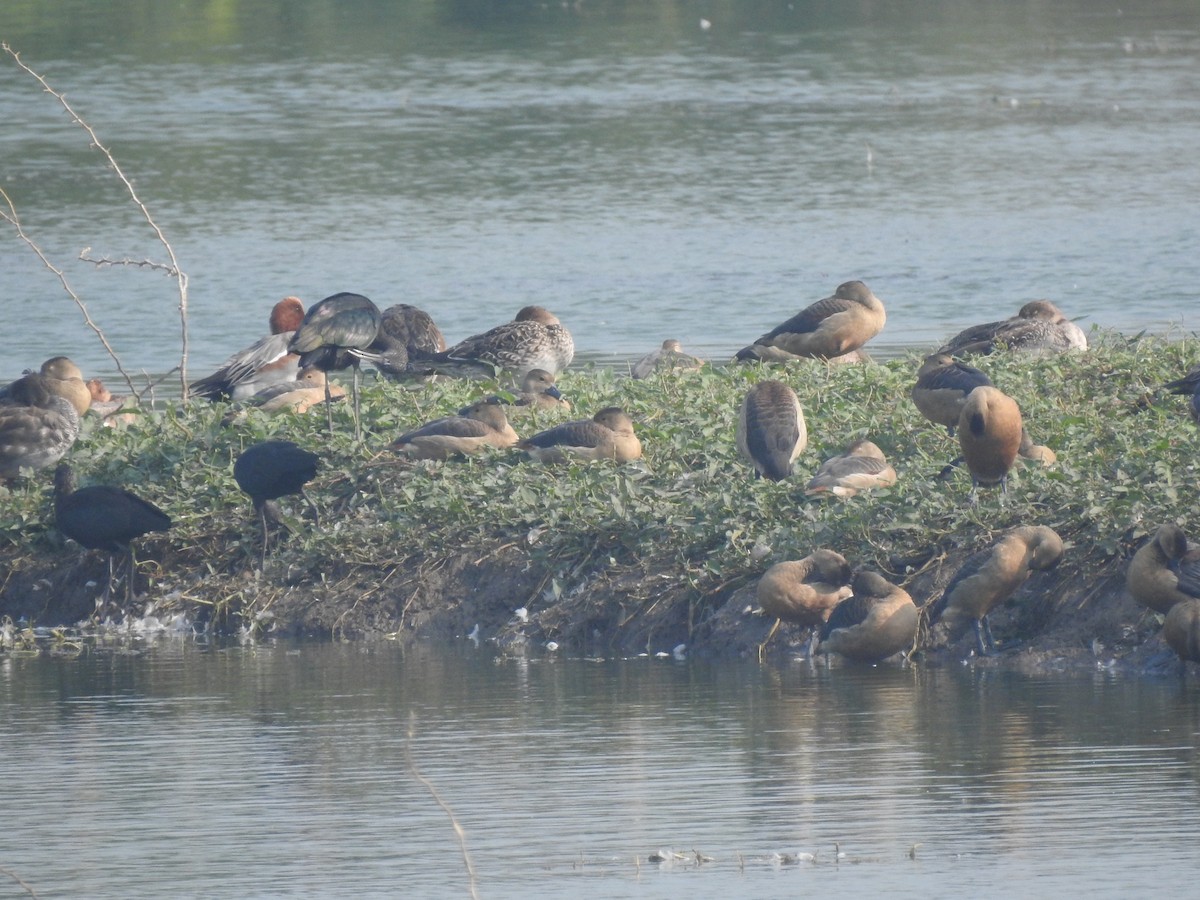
(126, 261)
(181, 278)
(11, 217)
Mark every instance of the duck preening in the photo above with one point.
(989, 433)
(804, 591)
(1165, 571)
(266, 362)
(876, 621)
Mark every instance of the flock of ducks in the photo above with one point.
(857, 614)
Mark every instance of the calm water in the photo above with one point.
(636, 172)
(282, 770)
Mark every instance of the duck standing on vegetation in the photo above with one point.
(827, 329)
(943, 384)
(1038, 327)
(1165, 571)
(990, 577)
(804, 591)
(989, 433)
(771, 431)
(878, 620)
(607, 435)
(265, 362)
(535, 339)
(270, 470)
(862, 467)
(667, 358)
(58, 376)
(475, 428)
(1189, 384)
(102, 517)
(331, 329)
(1181, 630)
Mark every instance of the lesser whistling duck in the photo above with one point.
(102, 517)
(535, 339)
(667, 358)
(475, 428)
(1038, 327)
(1181, 630)
(1165, 570)
(943, 384)
(331, 329)
(1038, 453)
(804, 591)
(861, 467)
(771, 432)
(607, 435)
(265, 362)
(993, 575)
(272, 469)
(877, 621)
(829, 328)
(989, 433)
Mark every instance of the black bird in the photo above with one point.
(332, 329)
(102, 517)
(271, 470)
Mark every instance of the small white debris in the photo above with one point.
(705, 24)
(522, 615)
(760, 551)
(679, 651)
(551, 646)
(473, 636)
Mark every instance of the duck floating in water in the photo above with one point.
(943, 384)
(474, 429)
(1181, 630)
(878, 620)
(804, 591)
(828, 329)
(102, 517)
(535, 339)
(991, 576)
(262, 364)
(1189, 384)
(270, 470)
(863, 466)
(331, 329)
(989, 433)
(34, 437)
(771, 432)
(58, 376)
(1165, 570)
(607, 435)
(1038, 327)
(667, 358)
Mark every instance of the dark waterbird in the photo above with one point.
(330, 330)
(102, 517)
(271, 470)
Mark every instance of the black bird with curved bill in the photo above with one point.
(102, 517)
(331, 330)
(270, 470)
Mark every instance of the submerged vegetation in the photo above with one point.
(607, 556)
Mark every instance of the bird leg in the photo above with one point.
(357, 419)
(262, 557)
(770, 634)
(328, 406)
(983, 637)
(316, 513)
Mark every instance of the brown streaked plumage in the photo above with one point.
(989, 433)
(991, 576)
(34, 437)
(1165, 570)
(667, 358)
(535, 339)
(829, 328)
(1181, 630)
(771, 431)
(805, 591)
(862, 467)
(1038, 327)
(877, 621)
(943, 384)
(475, 428)
(607, 435)
(264, 363)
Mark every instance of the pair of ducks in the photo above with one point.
(1164, 576)
(864, 617)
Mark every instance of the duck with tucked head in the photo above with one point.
(878, 620)
(863, 466)
(264, 363)
(1165, 571)
(943, 384)
(58, 376)
(407, 339)
(804, 591)
(990, 577)
(535, 339)
(989, 433)
(474, 429)
(771, 432)
(828, 329)
(1181, 630)
(667, 358)
(36, 436)
(1038, 327)
(607, 435)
